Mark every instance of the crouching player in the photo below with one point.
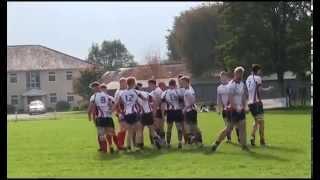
(174, 111)
(190, 113)
(237, 107)
(146, 116)
(222, 101)
(103, 145)
(254, 84)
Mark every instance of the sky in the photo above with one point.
(72, 27)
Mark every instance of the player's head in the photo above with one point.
(138, 86)
(179, 79)
(95, 86)
(172, 84)
(224, 77)
(185, 81)
(152, 84)
(131, 82)
(238, 73)
(103, 87)
(123, 83)
(256, 69)
(162, 85)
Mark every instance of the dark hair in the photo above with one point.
(152, 81)
(131, 81)
(180, 76)
(256, 68)
(172, 82)
(139, 84)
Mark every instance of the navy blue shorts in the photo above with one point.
(256, 108)
(131, 118)
(237, 116)
(105, 122)
(147, 119)
(191, 117)
(174, 116)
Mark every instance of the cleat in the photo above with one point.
(263, 143)
(111, 150)
(179, 146)
(245, 148)
(252, 141)
(214, 148)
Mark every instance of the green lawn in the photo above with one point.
(67, 147)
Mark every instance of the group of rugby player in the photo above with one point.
(136, 107)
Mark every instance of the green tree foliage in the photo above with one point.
(111, 55)
(87, 76)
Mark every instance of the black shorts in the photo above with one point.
(237, 116)
(147, 119)
(174, 116)
(158, 114)
(226, 114)
(105, 122)
(131, 118)
(256, 108)
(191, 117)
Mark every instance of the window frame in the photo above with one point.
(50, 75)
(68, 74)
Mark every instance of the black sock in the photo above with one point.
(217, 143)
(168, 137)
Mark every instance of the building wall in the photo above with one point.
(61, 86)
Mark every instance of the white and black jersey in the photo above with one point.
(253, 82)
(237, 91)
(189, 99)
(129, 99)
(171, 98)
(223, 95)
(103, 103)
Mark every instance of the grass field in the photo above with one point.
(67, 147)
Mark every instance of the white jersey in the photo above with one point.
(181, 94)
(237, 91)
(129, 98)
(171, 97)
(144, 101)
(117, 94)
(156, 96)
(103, 104)
(252, 82)
(189, 99)
(223, 95)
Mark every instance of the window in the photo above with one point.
(33, 80)
(53, 98)
(14, 100)
(69, 75)
(52, 76)
(70, 97)
(13, 78)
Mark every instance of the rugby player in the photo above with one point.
(222, 101)
(237, 108)
(105, 107)
(181, 92)
(129, 99)
(174, 111)
(146, 116)
(120, 112)
(254, 84)
(103, 146)
(156, 107)
(190, 113)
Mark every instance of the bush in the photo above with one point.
(20, 111)
(62, 106)
(76, 108)
(10, 109)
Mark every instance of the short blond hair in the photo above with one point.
(238, 68)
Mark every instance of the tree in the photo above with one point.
(194, 37)
(87, 76)
(112, 55)
(274, 34)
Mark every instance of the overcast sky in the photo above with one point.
(72, 27)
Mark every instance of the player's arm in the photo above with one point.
(245, 100)
(90, 108)
(219, 103)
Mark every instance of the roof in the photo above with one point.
(116, 85)
(146, 72)
(37, 57)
